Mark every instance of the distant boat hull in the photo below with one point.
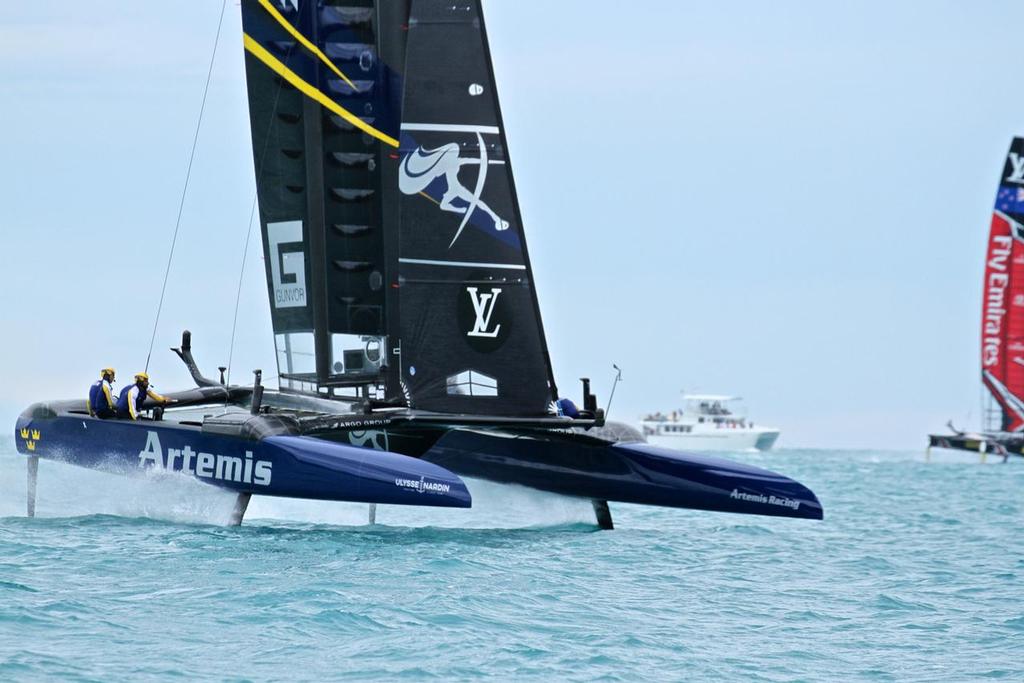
(985, 444)
(718, 440)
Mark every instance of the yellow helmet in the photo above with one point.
(139, 376)
(107, 371)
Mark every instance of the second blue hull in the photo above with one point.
(572, 464)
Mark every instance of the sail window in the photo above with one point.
(343, 125)
(356, 354)
(350, 88)
(351, 230)
(295, 353)
(353, 159)
(471, 383)
(352, 266)
(335, 18)
(346, 52)
(344, 194)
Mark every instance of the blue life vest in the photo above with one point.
(567, 408)
(97, 401)
(122, 401)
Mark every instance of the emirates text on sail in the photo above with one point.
(995, 297)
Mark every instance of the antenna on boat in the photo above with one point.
(257, 393)
(618, 378)
(589, 400)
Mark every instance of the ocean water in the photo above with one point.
(916, 574)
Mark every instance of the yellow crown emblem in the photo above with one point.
(24, 434)
(35, 435)
(31, 445)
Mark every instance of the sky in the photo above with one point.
(783, 201)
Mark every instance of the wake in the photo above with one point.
(67, 491)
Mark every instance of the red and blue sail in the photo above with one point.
(1002, 320)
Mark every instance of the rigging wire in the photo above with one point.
(184, 191)
(252, 215)
(238, 295)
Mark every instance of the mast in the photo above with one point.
(392, 34)
(313, 131)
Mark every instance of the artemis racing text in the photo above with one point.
(245, 470)
(766, 500)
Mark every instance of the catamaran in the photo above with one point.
(410, 347)
(1002, 324)
(708, 422)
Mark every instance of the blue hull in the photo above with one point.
(411, 464)
(290, 466)
(574, 465)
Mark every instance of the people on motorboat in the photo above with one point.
(101, 396)
(129, 403)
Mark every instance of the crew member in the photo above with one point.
(101, 396)
(129, 403)
(564, 407)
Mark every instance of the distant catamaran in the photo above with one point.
(1002, 323)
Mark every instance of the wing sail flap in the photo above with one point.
(467, 299)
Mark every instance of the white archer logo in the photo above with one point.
(483, 308)
(423, 166)
(1017, 174)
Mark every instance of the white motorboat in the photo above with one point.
(708, 422)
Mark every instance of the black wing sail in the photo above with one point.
(324, 113)
(471, 334)
(395, 254)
